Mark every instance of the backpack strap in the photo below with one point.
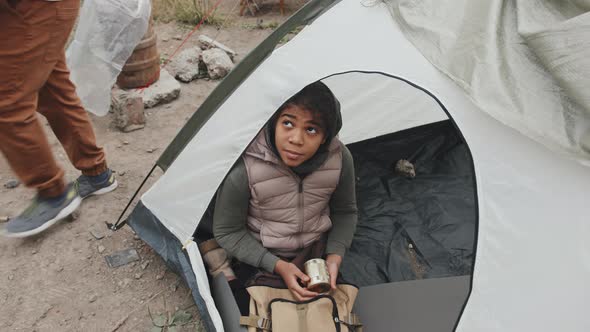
(352, 321)
(256, 322)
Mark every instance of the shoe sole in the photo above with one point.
(104, 190)
(66, 211)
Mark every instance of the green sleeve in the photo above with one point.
(229, 221)
(343, 210)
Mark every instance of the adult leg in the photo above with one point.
(29, 36)
(59, 103)
(24, 71)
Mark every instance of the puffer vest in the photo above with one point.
(287, 213)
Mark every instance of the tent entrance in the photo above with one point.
(413, 228)
(408, 228)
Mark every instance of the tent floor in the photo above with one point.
(429, 305)
(434, 213)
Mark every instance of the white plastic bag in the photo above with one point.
(107, 33)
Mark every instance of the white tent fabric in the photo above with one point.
(528, 195)
(410, 106)
(525, 62)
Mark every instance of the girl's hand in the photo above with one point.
(290, 274)
(333, 261)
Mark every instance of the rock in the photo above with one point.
(125, 143)
(185, 66)
(165, 90)
(218, 63)
(405, 168)
(122, 257)
(10, 184)
(124, 283)
(144, 265)
(75, 215)
(121, 173)
(4, 218)
(128, 108)
(207, 43)
(165, 39)
(10, 277)
(138, 276)
(101, 249)
(151, 150)
(136, 237)
(33, 252)
(160, 276)
(177, 37)
(97, 234)
(93, 298)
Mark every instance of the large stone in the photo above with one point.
(185, 66)
(128, 109)
(207, 42)
(165, 90)
(218, 63)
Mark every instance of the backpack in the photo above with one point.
(276, 309)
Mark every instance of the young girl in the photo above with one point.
(294, 184)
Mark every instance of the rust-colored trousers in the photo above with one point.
(34, 78)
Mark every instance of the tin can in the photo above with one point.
(319, 277)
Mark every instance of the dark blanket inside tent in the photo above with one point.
(434, 212)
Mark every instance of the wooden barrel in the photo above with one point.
(143, 66)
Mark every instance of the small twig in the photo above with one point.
(124, 319)
(168, 317)
(189, 306)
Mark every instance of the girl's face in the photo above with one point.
(298, 135)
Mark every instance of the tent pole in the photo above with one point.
(118, 224)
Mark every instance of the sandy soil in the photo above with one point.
(59, 280)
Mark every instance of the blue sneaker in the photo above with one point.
(96, 185)
(42, 213)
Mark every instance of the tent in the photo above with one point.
(496, 220)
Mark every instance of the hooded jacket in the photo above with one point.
(254, 226)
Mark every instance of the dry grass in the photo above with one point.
(185, 11)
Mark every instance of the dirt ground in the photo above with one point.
(59, 280)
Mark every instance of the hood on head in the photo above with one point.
(334, 116)
(332, 128)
